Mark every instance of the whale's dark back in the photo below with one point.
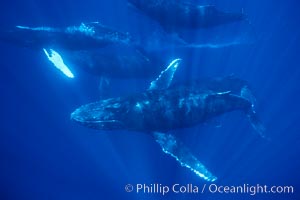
(182, 107)
(178, 15)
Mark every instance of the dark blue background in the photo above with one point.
(43, 155)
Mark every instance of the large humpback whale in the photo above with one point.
(92, 46)
(176, 15)
(115, 61)
(163, 108)
(84, 37)
(96, 48)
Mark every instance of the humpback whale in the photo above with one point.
(92, 46)
(115, 61)
(95, 48)
(177, 15)
(86, 36)
(165, 107)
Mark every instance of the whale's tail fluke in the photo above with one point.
(252, 116)
(256, 123)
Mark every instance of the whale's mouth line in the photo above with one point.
(104, 125)
(98, 121)
(93, 121)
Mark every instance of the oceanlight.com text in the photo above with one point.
(163, 189)
(250, 189)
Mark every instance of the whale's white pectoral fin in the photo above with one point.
(165, 78)
(58, 62)
(181, 153)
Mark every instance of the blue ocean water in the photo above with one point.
(44, 155)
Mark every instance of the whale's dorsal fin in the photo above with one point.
(165, 78)
(175, 148)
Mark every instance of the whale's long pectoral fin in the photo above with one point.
(170, 145)
(55, 58)
(165, 78)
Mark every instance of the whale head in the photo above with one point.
(101, 115)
